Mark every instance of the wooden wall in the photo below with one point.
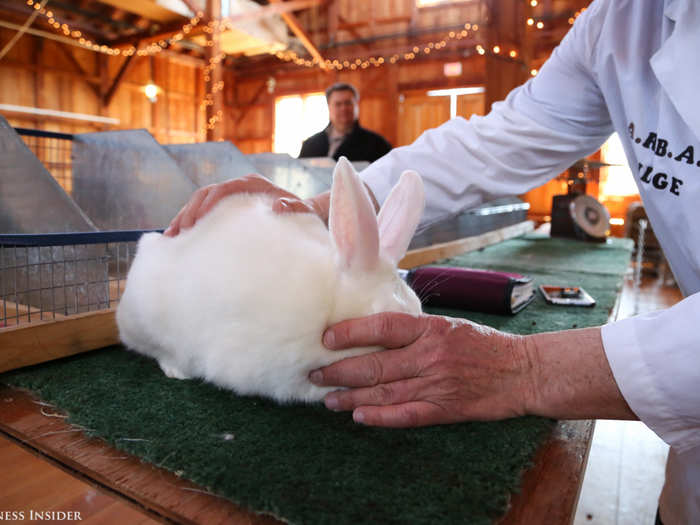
(387, 94)
(45, 74)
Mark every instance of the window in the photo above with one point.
(453, 93)
(616, 180)
(297, 117)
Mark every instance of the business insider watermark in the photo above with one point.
(39, 515)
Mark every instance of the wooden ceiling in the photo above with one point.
(315, 28)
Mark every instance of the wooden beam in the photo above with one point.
(333, 21)
(78, 68)
(170, 29)
(215, 109)
(148, 10)
(34, 343)
(299, 31)
(350, 29)
(23, 10)
(348, 26)
(127, 65)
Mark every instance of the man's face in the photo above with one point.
(342, 108)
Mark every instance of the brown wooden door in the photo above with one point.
(419, 112)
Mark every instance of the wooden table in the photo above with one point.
(549, 492)
(550, 488)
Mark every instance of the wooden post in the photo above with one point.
(503, 74)
(155, 117)
(215, 75)
(333, 10)
(38, 49)
(200, 127)
(103, 73)
(165, 79)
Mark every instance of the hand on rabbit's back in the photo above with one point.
(243, 297)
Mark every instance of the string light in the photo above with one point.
(150, 49)
(408, 55)
(576, 15)
(533, 72)
(377, 61)
(540, 24)
(215, 119)
(212, 27)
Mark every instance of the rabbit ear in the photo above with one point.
(400, 215)
(352, 220)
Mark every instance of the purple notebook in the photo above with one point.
(471, 289)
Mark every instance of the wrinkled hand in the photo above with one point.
(204, 199)
(435, 370)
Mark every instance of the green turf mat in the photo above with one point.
(308, 465)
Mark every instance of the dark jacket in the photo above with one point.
(359, 144)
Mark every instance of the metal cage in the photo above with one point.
(54, 150)
(53, 276)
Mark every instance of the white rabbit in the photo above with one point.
(243, 297)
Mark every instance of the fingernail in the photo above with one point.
(316, 377)
(167, 231)
(358, 416)
(331, 402)
(329, 339)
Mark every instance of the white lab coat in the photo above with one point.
(631, 66)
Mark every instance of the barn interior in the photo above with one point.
(114, 112)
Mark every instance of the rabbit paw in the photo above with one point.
(172, 371)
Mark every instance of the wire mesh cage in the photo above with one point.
(54, 150)
(54, 276)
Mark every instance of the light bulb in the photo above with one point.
(151, 91)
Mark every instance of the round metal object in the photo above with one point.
(590, 215)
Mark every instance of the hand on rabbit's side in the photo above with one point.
(434, 370)
(443, 370)
(204, 199)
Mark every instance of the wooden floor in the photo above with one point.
(610, 493)
(31, 483)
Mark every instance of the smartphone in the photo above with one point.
(566, 295)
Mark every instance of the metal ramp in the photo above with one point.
(31, 201)
(210, 162)
(291, 174)
(126, 180)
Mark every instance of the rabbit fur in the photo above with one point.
(242, 298)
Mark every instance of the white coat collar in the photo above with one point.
(677, 63)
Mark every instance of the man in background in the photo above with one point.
(344, 136)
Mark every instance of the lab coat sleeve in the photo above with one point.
(540, 129)
(655, 359)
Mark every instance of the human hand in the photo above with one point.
(205, 198)
(435, 370)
